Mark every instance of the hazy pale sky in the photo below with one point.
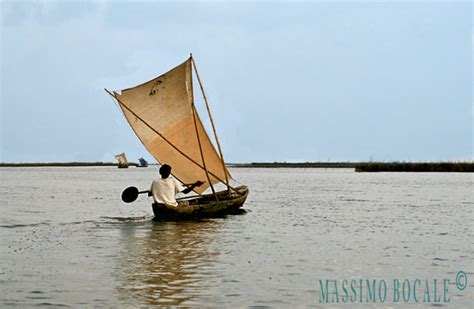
(313, 81)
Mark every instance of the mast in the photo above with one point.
(193, 107)
(212, 123)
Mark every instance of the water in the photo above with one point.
(68, 240)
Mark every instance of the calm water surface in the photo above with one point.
(68, 240)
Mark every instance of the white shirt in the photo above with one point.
(164, 190)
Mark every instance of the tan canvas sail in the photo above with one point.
(165, 104)
(122, 160)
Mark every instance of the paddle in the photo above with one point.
(131, 193)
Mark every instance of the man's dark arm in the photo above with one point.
(192, 186)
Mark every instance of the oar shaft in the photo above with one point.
(148, 191)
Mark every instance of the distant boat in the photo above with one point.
(162, 114)
(142, 163)
(122, 160)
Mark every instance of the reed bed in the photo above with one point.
(63, 164)
(457, 167)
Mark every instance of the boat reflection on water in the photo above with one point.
(165, 263)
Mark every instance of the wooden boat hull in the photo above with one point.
(204, 206)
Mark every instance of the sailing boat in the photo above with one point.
(122, 160)
(142, 162)
(163, 115)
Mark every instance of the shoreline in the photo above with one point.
(64, 164)
(358, 166)
(457, 167)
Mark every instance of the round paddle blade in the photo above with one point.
(130, 194)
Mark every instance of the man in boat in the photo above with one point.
(164, 190)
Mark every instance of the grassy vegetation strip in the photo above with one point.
(459, 167)
(296, 165)
(463, 167)
(370, 166)
(68, 164)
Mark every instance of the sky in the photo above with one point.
(286, 81)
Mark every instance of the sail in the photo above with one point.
(142, 162)
(122, 160)
(165, 105)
